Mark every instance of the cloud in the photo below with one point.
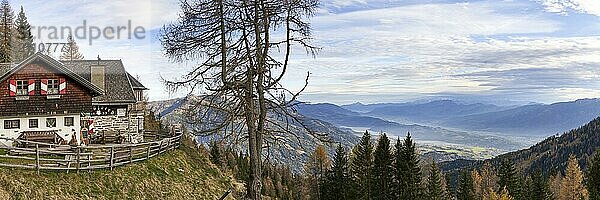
(388, 50)
(422, 50)
(591, 7)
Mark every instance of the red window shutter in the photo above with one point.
(31, 87)
(63, 86)
(44, 86)
(12, 87)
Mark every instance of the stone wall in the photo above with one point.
(131, 126)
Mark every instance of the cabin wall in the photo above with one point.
(65, 132)
(76, 101)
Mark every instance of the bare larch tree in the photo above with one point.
(242, 49)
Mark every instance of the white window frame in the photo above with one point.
(72, 120)
(53, 86)
(13, 124)
(22, 87)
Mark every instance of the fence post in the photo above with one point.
(130, 155)
(148, 151)
(160, 147)
(78, 157)
(37, 158)
(112, 156)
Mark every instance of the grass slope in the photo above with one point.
(182, 173)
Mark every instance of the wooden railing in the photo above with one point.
(66, 158)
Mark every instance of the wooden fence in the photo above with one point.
(42, 156)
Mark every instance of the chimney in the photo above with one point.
(97, 76)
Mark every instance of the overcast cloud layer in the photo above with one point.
(392, 50)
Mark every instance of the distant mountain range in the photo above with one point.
(526, 120)
(445, 129)
(345, 118)
(549, 155)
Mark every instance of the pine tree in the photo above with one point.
(316, 166)
(436, 187)
(71, 51)
(338, 179)
(593, 182)
(382, 170)
(361, 167)
(507, 177)
(23, 41)
(6, 31)
(466, 190)
(572, 187)
(408, 171)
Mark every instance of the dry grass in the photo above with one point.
(179, 174)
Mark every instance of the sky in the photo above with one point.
(492, 51)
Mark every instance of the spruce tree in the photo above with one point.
(23, 42)
(436, 189)
(411, 174)
(537, 187)
(593, 182)
(338, 179)
(382, 170)
(507, 177)
(400, 169)
(361, 167)
(6, 31)
(465, 190)
(71, 51)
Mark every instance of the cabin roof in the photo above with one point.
(7, 70)
(117, 81)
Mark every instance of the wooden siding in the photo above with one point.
(77, 100)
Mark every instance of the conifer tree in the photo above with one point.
(410, 174)
(6, 31)
(436, 186)
(400, 168)
(507, 177)
(477, 186)
(23, 45)
(71, 51)
(572, 187)
(361, 167)
(465, 190)
(216, 154)
(502, 196)
(555, 184)
(338, 179)
(315, 167)
(537, 187)
(489, 180)
(593, 182)
(382, 170)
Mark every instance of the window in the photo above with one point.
(69, 121)
(22, 87)
(50, 122)
(53, 86)
(33, 123)
(11, 124)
